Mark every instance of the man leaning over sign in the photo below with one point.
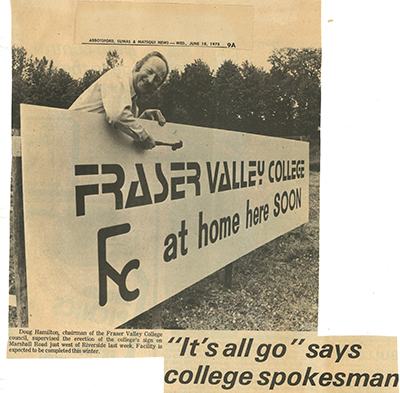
(115, 93)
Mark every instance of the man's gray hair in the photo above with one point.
(140, 63)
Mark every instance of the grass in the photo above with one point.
(275, 287)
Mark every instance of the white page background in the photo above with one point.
(359, 290)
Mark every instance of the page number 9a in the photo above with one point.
(231, 45)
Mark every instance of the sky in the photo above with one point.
(46, 28)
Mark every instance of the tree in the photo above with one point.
(19, 91)
(196, 85)
(296, 75)
(48, 85)
(228, 96)
(171, 103)
(255, 99)
(89, 77)
(37, 81)
(112, 60)
(185, 97)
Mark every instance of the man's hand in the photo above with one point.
(147, 144)
(153, 114)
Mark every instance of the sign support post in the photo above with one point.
(228, 276)
(19, 236)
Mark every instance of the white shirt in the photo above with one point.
(113, 94)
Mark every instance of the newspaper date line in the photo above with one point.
(127, 41)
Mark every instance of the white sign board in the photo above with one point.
(112, 230)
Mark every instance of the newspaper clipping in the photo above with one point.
(165, 194)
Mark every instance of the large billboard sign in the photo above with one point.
(112, 230)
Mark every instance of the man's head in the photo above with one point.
(150, 72)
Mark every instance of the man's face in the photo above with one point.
(150, 75)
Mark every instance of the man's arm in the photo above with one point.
(118, 107)
(126, 123)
